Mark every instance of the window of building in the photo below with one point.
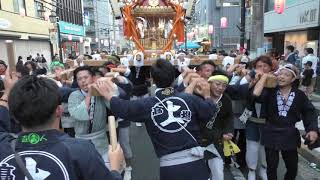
(39, 9)
(19, 6)
(269, 6)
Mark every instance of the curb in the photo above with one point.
(311, 156)
(315, 97)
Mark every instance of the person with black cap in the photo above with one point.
(3, 68)
(306, 75)
(172, 121)
(41, 151)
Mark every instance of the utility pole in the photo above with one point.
(97, 25)
(242, 23)
(257, 34)
(185, 36)
(114, 34)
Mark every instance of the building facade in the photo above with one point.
(301, 28)
(101, 27)
(210, 12)
(27, 24)
(72, 32)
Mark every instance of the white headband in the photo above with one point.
(289, 68)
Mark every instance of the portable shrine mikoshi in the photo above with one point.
(153, 25)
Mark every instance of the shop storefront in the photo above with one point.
(72, 39)
(27, 41)
(301, 27)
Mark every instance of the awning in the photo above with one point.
(9, 36)
(190, 45)
(64, 37)
(39, 38)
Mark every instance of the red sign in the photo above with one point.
(223, 22)
(279, 6)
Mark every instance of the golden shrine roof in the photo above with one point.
(153, 10)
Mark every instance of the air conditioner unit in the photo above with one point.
(116, 9)
(188, 8)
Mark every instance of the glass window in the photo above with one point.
(269, 6)
(39, 9)
(15, 6)
(19, 6)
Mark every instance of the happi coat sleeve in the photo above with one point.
(134, 110)
(77, 106)
(4, 120)
(309, 114)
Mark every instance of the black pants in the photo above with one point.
(290, 158)
(70, 131)
(240, 140)
(196, 170)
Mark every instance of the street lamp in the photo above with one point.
(55, 20)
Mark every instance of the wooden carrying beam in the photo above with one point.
(112, 132)
(11, 54)
(149, 62)
(63, 73)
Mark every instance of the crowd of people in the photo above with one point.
(53, 124)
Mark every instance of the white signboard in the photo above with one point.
(4, 23)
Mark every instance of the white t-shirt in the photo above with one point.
(213, 56)
(96, 57)
(227, 60)
(312, 58)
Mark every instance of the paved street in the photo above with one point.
(146, 165)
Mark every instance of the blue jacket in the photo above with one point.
(161, 118)
(50, 155)
(292, 59)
